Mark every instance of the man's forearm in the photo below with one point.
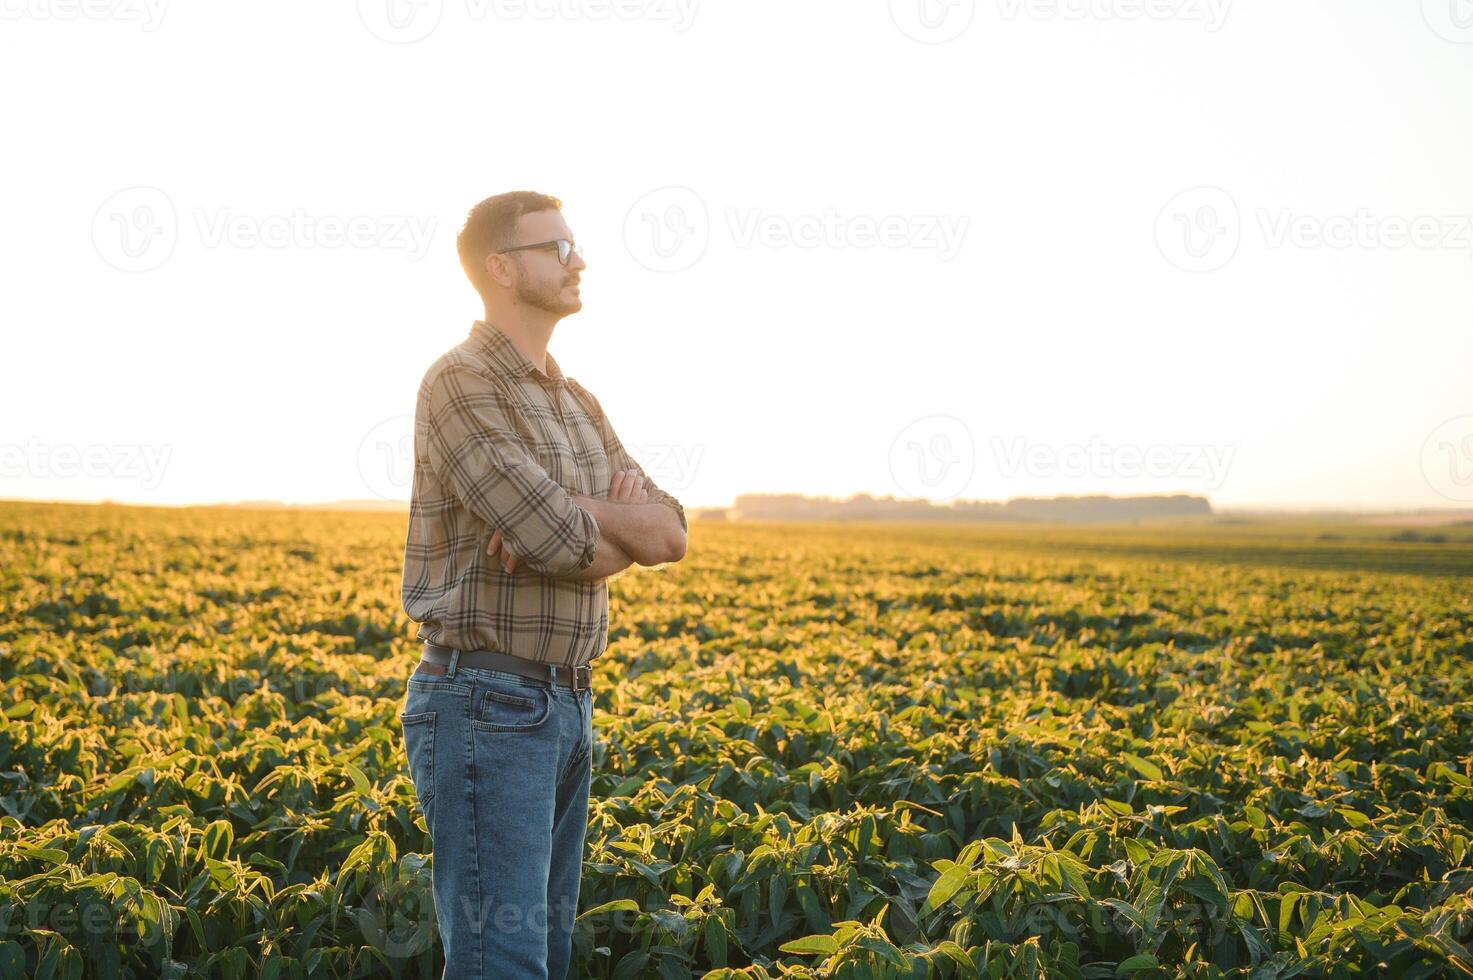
(648, 533)
(608, 559)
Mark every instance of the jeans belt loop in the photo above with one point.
(454, 659)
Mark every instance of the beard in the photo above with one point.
(546, 295)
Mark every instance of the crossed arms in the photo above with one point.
(475, 450)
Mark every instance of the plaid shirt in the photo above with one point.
(500, 445)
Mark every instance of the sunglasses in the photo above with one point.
(565, 249)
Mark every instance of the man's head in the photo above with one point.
(534, 276)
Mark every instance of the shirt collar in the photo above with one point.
(504, 353)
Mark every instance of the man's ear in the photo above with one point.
(497, 269)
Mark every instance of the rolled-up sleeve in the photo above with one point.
(475, 451)
(619, 459)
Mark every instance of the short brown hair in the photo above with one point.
(490, 227)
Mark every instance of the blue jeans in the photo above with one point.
(501, 766)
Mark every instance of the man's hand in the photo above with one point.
(508, 560)
(649, 533)
(626, 487)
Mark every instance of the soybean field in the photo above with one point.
(1210, 749)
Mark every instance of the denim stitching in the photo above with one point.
(470, 769)
(481, 724)
(426, 719)
(582, 751)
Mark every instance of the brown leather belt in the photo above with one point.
(435, 659)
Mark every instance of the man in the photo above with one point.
(524, 502)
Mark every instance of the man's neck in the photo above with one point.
(529, 331)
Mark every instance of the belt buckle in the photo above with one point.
(573, 672)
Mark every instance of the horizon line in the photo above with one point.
(369, 503)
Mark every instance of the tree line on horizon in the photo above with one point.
(864, 507)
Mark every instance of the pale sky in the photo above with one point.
(968, 249)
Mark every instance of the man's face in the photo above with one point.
(539, 279)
